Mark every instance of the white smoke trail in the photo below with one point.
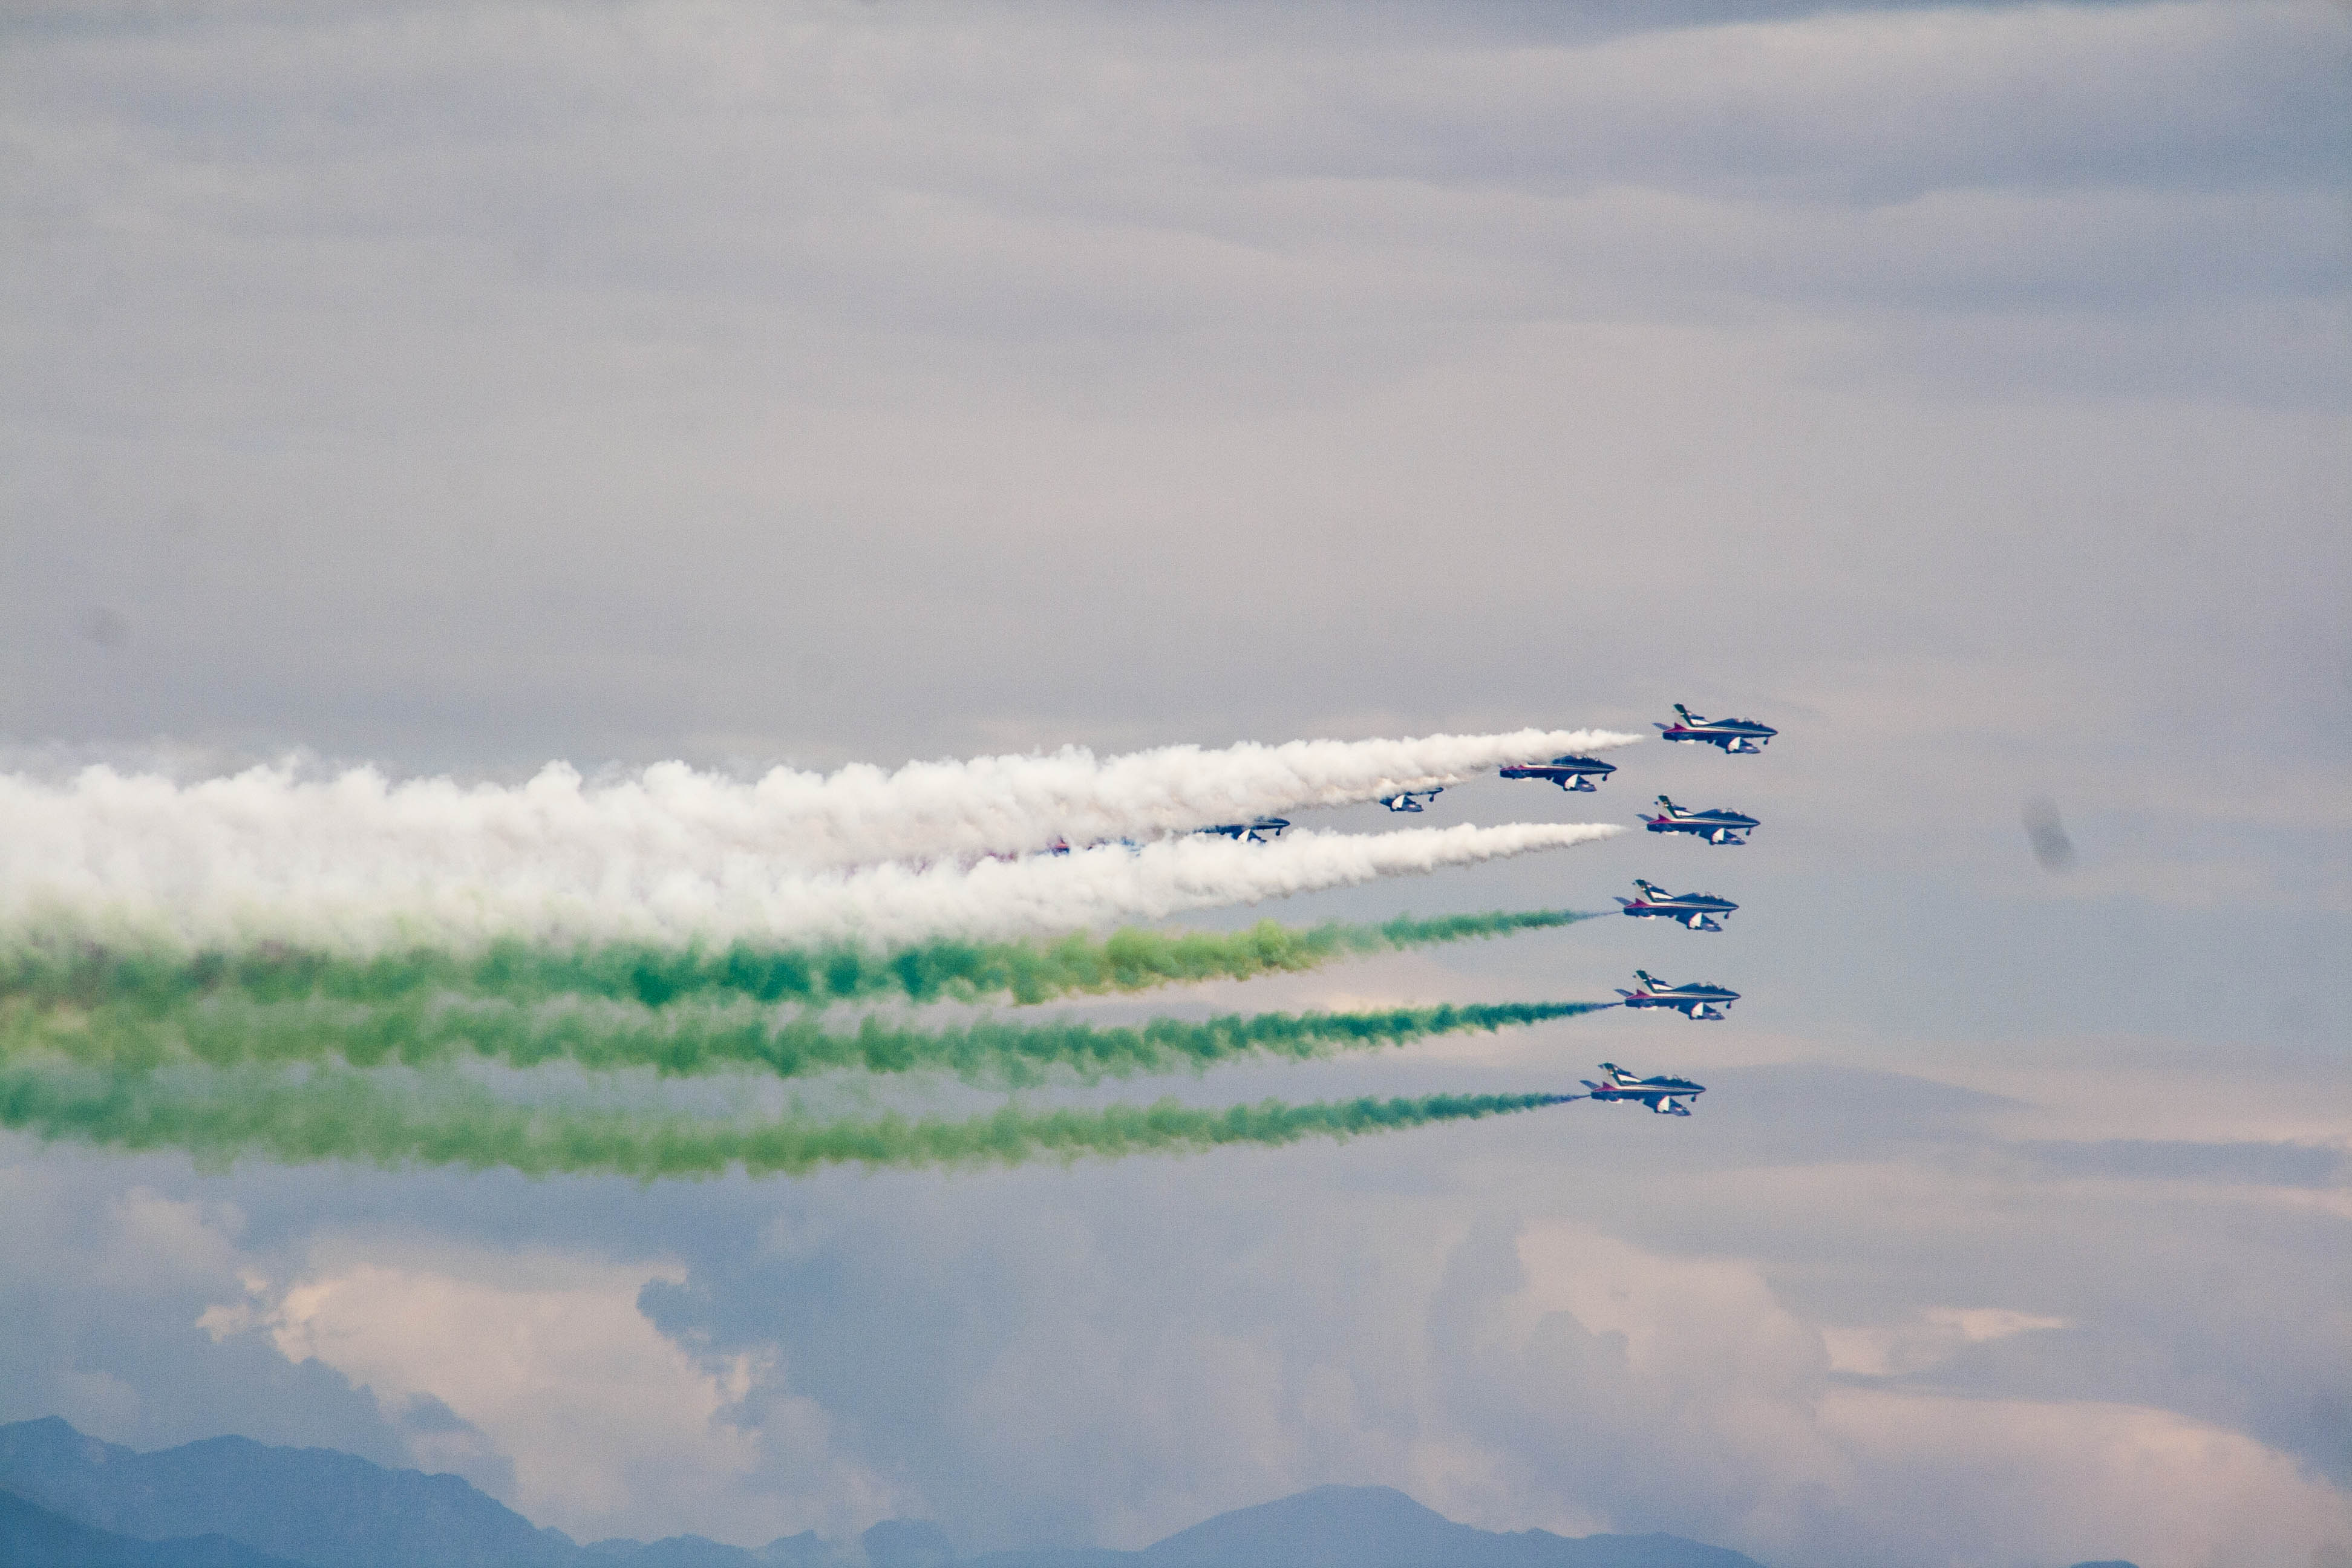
(1012, 805)
(118, 880)
(861, 815)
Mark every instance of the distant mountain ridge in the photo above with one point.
(309, 1505)
(229, 1502)
(32, 1536)
(1373, 1527)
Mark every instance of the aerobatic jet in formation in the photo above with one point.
(1257, 830)
(1714, 827)
(1696, 910)
(1570, 773)
(1736, 736)
(1412, 799)
(1666, 1096)
(1696, 1000)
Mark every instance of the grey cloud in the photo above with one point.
(102, 1286)
(987, 1342)
(1867, 106)
(2309, 1165)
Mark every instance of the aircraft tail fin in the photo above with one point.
(1686, 714)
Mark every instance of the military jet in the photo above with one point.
(1734, 735)
(1696, 910)
(1412, 799)
(1576, 773)
(1666, 1096)
(1714, 827)
(1257, 830)
(1697, 1000)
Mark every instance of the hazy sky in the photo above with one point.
(1962, 389)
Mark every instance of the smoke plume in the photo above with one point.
(688, 1039)
(671, 816)
(140, 885)
(157, 979)
(371, 1119)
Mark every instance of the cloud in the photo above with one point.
(546, 1360)
(1861, 105)
(2315, 1165)
(103, 1283)
(1111, 1354)
(2080, 1480)
(1940, 1332)
(1600, 1362)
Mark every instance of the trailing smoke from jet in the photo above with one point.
(158, 979)
(671, 823)
(691, 1040)
(156, 876)
(306, 970)
(367, 1119)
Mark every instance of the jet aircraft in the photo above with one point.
(1576, 773)
(1257, 830)
(1666, 1096)
(1736, 736)
(1714, 827)
(1696, 910)
(1697, 1000)
(1412, 799)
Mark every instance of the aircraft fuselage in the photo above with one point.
(1577, 774)
(1666, 1096)
(1696, 910)
(1412, 799)
(1696, 1001)
(1714, 827)
(1260, 831)
(1742, 737)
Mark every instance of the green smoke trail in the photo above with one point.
(352, 1116)
(686, 1041)
(1131, 959)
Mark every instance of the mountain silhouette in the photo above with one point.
(1373, 1527)
(68, 1501)
(311, 1505)
(31, 1535)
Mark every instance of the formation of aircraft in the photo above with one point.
(1696, 1000)
(1696, 910)
(1666, 1096)
(1257, 830)
(1412, 799)
(1577, 774)
(1736, 736)
(1714, 827)
(1669, 1096)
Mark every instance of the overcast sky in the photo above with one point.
(1963, 390)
